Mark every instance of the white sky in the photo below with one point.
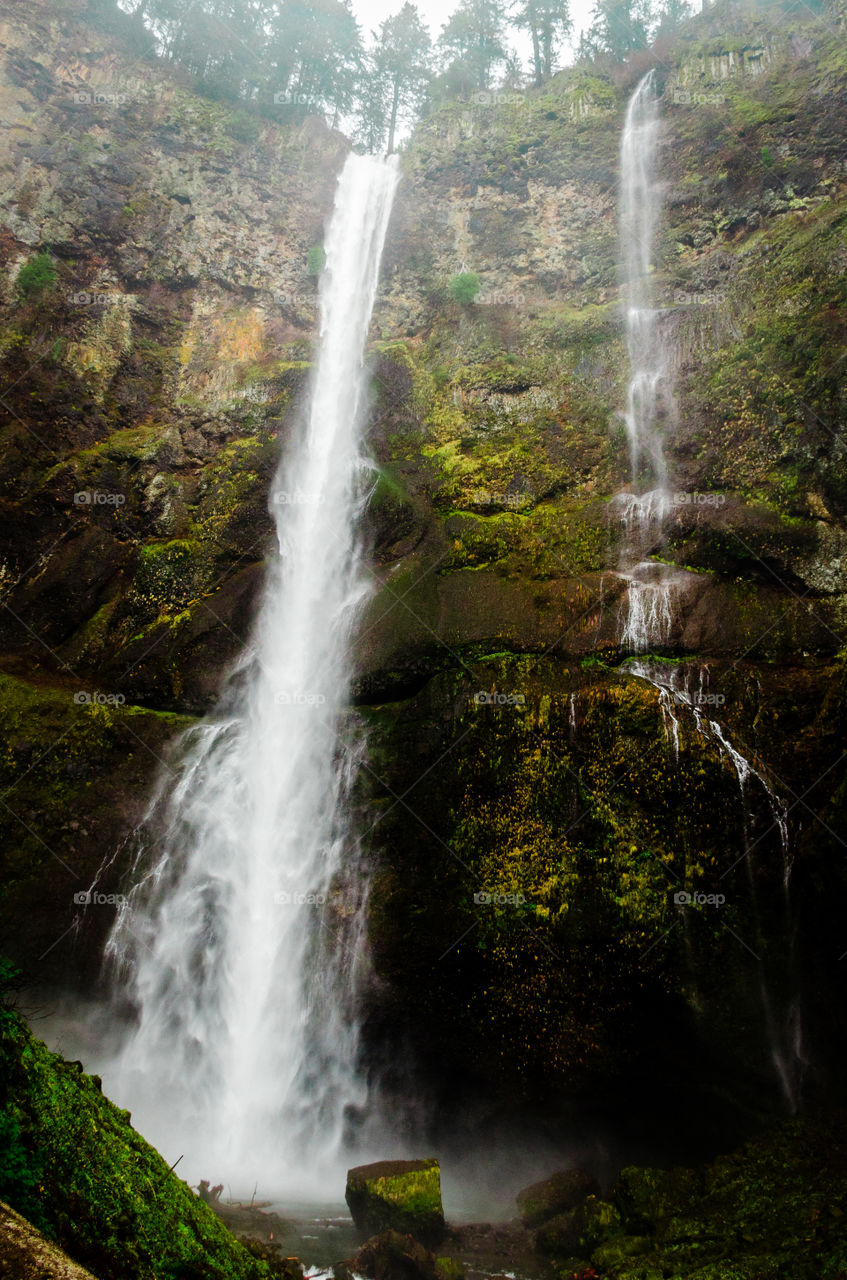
(435, 13)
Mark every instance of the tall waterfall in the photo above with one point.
(653, 588)
(239, 945)
(649, 400)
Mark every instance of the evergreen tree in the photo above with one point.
(315, 56)
(475, 35)
(618, 28)
(399, 69)
(672, 14)
(549, 24)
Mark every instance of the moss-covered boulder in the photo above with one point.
(397, 1195)
(72, 1164)
(392, 1255)
(556, 1194)
(581, 1229)
(775, 1208)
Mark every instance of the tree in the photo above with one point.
(220, 41)
(475, 35)
(618, 28)
(398, 75)
(672, 14)
(315, 55)
(549, 24)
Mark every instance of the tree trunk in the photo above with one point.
(392, 126)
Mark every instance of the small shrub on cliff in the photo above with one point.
(36, 275)
(315, 260)
(464, 287)
(243, 127)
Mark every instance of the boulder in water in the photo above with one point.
(555, 1195)
(397, 1195)
(395, 1256)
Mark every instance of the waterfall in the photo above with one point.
(684, 691)
(649, 401)
(240, 944)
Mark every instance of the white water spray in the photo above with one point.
(240, 945)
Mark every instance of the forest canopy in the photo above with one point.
(290, 58)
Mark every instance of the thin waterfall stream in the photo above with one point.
(654, 588)
(240, 944)
(649, 401)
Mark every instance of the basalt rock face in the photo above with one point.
(524, 919)
(545, 763)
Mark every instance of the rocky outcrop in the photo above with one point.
(73, 1165)
(556, 1194)
(27, 1255)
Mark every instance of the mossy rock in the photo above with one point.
(555, 1195)
(73, 1165)
(581, 1229)
(397, 1195)
(648, 1197)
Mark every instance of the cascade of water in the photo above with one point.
(677, 696)
(649, 599)
(239, 946)
(640, 205)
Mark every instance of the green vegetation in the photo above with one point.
(74, 1166)
(464, 287)
(36, 275)
(315, 260)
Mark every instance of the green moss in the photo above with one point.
(80, 1172)
(36, 275)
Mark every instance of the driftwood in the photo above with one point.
(211, 1195)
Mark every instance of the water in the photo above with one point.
(240, 946)
(640, 207)
(684, 691)
(647, 616)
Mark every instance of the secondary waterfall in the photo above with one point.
(240, 943)
(649, 401)
(684, 693)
